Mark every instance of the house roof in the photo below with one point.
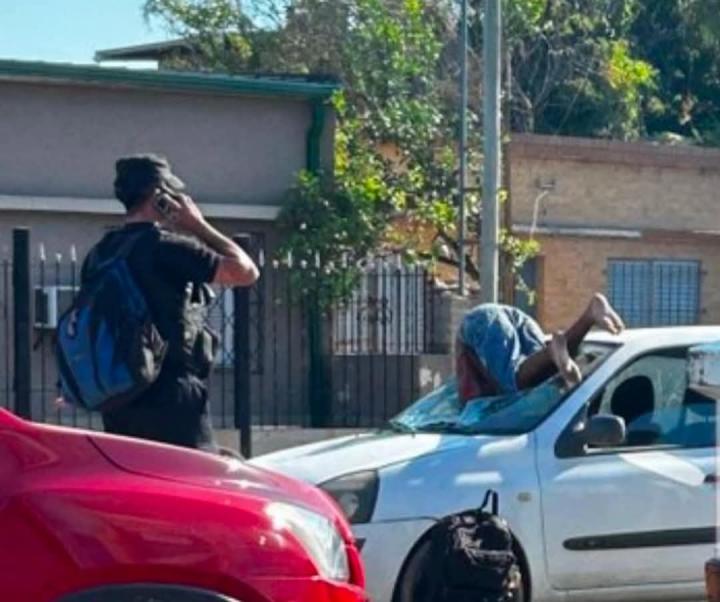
(244, 85)
(143, 52)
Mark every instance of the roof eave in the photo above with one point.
(150, 51)
(161, 80)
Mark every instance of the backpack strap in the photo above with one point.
(492, 499)
(123, 252)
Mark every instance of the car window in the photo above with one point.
(652, 396)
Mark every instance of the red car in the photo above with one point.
(86, 517)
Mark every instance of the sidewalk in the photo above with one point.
(269, 439)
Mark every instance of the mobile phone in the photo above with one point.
(163, 204)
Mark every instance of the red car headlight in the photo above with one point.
(317, 535)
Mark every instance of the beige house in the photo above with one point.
(636, 220)
(238, 142)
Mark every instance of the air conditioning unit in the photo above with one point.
(221, 318)
(50, 303)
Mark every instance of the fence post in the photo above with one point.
(241, 353)
(22, 326)
(319, 392)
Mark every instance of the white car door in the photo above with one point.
(638, 516)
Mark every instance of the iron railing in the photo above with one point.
(371, 344)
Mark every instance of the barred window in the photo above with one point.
(655, 292)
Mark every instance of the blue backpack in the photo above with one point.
(109, 350)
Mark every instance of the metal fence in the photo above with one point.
(378, 334)
(370, 346)
(6, 334)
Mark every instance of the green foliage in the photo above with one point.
(630, 79)
(616, 68)
(395, 134)
(681, 39)
(220, 32)
(329, 232)
(390, 161)
(574, 71)
(610, 68)
(523, 17)
(519, 250)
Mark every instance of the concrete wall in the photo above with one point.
(63, 140)
(450, 309)
(613, 184)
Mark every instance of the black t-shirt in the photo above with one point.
(182, 259)
(167, 267)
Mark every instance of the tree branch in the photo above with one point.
(470, 267)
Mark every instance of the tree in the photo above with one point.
(616, 68)
(577, 67)
(681, 39)
(394, 183)
(573, 71)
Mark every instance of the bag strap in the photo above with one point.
(491, 497)
(123, 252)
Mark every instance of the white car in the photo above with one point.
(609, 488)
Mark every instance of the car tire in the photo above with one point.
(411, 583)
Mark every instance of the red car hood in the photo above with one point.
(206, 470)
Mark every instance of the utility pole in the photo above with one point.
(507, 277)
(489, 254)
(463, 144)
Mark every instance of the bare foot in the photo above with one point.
(604, 316)
(566, 366)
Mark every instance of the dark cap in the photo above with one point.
(137, 175)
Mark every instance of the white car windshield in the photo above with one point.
(442, 411)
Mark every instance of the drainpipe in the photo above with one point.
(314, 135)
(319, 392)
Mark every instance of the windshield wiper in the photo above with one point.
(400, 427)
(446, 426)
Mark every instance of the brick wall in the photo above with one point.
(595, 183)
(664, 198)
(574, 267)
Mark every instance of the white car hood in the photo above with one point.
(319, 462)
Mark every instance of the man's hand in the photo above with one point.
(236, 268)
(186, 215)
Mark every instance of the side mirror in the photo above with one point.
(604, 430)
(704, 370)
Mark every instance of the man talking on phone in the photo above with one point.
(174, 254)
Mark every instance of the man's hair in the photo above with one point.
(137, 176)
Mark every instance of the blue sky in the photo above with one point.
(71, 30)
